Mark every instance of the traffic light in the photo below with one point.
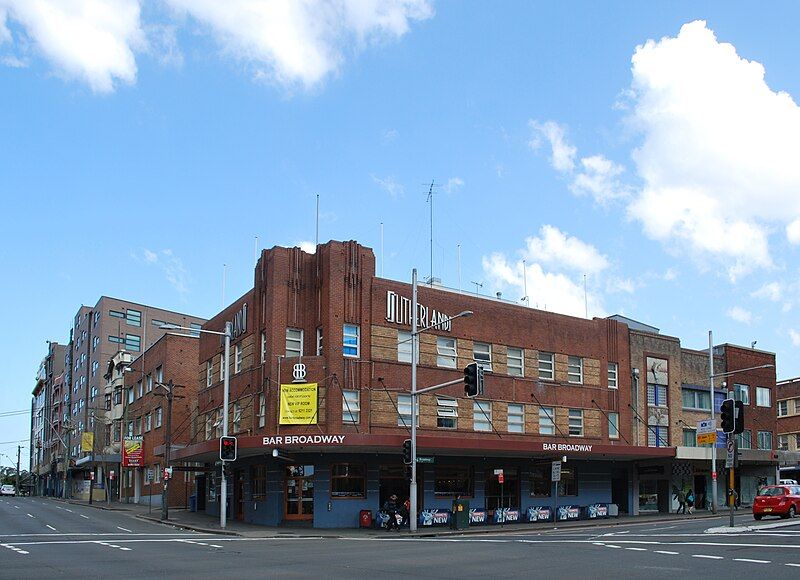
(227, 448)
(473, 380)
(727, 420)
(408, 472)
(738, 426)
(407, 451)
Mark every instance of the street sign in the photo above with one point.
(149, 476)
(706, 438)
(729, 457)
(498, 472)
(500, 477)
(555, 474)
(426, 459)
(706, 426)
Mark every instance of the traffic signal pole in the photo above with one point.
(412, 488)
(714, 497)
(223, 506)
(732, 480)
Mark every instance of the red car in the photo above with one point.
(777, 500)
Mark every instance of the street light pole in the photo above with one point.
(223, 508)
(167, 448)
(412, 520)
(714, 446)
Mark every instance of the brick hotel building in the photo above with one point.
(555, 385)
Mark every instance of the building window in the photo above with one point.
(95, 366)
(148, 422)
(209, 373)
(482, 354)
(696, 399)
(139, 390)
(576, 422)
(159, 375)
(107, 401)
(157, 322)
(117, 396)
(133, 342)
(516, 362)
(657, 436)
(741, 393)
(568, 486)
(350, 340)
(613, 374)
(218, 424)
(797, 441)
(763, 397)
(149, 384)
(95, 342)
(575, 370)
(783, 442)
(541, 484)
(546, 365)
(320, 341)
(115, 339)
(452, 481)
(138, 426)
(222, 366)
(157, 473)
(690, 438)
(446, 352)
(262, 410)
(294, 342)
(237, 359)
(133, 317)
(116, 314)
(237, 417)
(351, 409)
(404, 346)
(348, 480)
(765, 440)
(93, 393)
(516, 418)
(264, 347)
(613, 425)
(404, 410)
(209, 425)
(744, 440)
(657, 395)
(159, 416)
(446, 413)
(131, 398)
(547, 424)
(194, 328)
(482, 415)
(783, 408)
(130, 429)
(258, 485)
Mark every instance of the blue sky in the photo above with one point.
(649, 146)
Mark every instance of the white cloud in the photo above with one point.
(389, 135)
(625, 285)
(307, 246)
(546, 290)
(670, 274)
(291, 41)
(718, 160)
(793, 232)
(90, 40)
(562, 252)
(150, 257)
(5, 33)
(599, 178)
(562, 154)
(795, 336)
(171, 266)
(12, 61)
(389, 185)
(453, 184)
(771, 291)
(739, 314)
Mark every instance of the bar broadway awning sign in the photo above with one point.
(304, 440)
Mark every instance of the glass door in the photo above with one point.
(299, 492)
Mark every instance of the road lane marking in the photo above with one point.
(667, 552)
(753, 561)
(795, 565)
(51, 527)
(707, 557)
(83, 516)
(30, 515)
(69, 510)
(637, 549)
(215, 546)
(613, 546)
(126, 549)
(124, 529)
(16, 507)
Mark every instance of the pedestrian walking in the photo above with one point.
(680, 495)
(690, 501)
(390, 507)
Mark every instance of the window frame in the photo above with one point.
(760, 391)
(351, 408)
(481, 415)
(262, 410)
(209, 373)
(571, 364)
(442, 473)
(691, 432)
(351, 349)
(548, 415)
(485, 359)
(613, 371)
(519, 369)
(159, 418)
(237, 358)
(405, 339)
(263, 347)
(446, 410)
(545, 361)
(347, 494)
(613, 424)
(298, 340)
(402, 405)
(577, 415)
(520, 414)
(258, 482)
(446, 355)
(740, 389)
(320, 341)
(765, 435)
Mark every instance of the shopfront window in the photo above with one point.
(541, 484)
(568, 486)
(499, 495)
(451, 481)
(259, 482)
(348, 480)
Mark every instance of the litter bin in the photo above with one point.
(192, 503)
(460, 519)
(365, 518)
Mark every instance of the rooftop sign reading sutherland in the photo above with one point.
(399, 308)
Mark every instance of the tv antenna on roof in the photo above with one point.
(478, 286)
(430, 199)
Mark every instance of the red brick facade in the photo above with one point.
(787, 401)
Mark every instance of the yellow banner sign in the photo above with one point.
(706, 438)
(87, 441)
(298, 404)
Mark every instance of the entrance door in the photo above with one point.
(299, 486)
(392, 480)
(700, 492)
(619, 490)
(239, 490)
(502, 495)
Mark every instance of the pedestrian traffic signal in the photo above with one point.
(473, 380)
(409, 472)
(738, 426)
(407, 451)
(726, 416)
(227, 448)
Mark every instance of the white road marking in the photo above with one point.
(17, 507)
(69, 510)
(83, 516)
(753, 561)
(795, 565)
(215, 546)
(51, 527)
(613, 546)
(124, 529)
(667, 552)
(637, 549)
(707, 556)
(126, 549)
(30, 515)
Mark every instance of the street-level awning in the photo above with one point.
(98, 458)
(444, 445)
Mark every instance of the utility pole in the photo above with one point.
(19, 450)
(714, 497)
(167, 448)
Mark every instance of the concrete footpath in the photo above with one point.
(182, 518)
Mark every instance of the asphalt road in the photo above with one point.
(43, 537)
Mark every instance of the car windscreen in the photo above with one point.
(773, 491)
